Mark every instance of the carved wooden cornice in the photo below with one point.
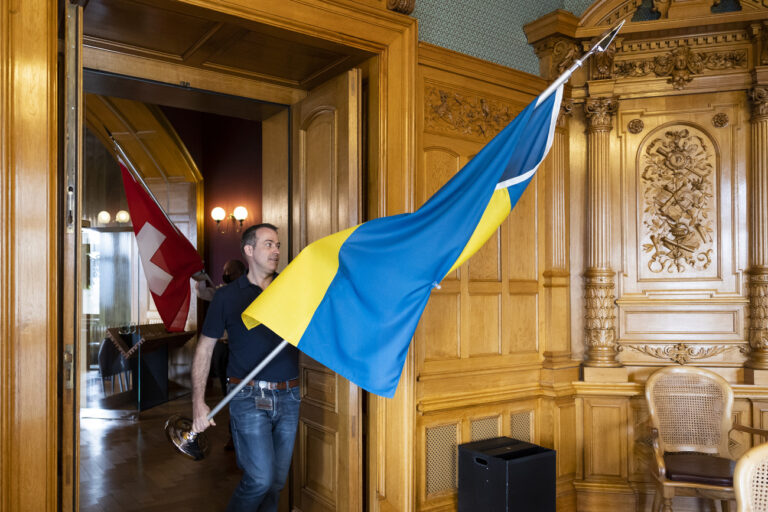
(699, 41)
(681, 64)
(401, 6)
(457, 113)
(759, 98)
(682, 353)
(599, 113)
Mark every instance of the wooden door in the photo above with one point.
(325, 185)
(70, 359)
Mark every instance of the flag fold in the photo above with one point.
(352, 300)
(167, 257)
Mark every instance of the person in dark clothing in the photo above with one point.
(265, 413)
(231, 271)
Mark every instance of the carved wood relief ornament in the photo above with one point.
(759, 99)
(682, 353)
(681, 64)
(678, 197)
(457, 113)
(599, 112)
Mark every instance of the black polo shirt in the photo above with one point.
(247, 348)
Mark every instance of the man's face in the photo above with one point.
(264, 254)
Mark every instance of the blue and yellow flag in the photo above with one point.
(352, 300)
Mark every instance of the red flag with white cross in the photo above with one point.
(168, 258)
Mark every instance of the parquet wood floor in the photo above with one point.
(129, 465)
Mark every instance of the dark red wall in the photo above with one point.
(227, 151)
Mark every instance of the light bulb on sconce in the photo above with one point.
(104, 217)
(218, 214)
(122, 216)
(239, 214)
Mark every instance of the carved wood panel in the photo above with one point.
(677, 176)
(683, 200)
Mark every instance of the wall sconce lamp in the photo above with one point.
(239, 214)
(104, 218)
(236, 218)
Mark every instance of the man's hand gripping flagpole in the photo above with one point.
(194, 444)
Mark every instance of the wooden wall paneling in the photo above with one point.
(275, 135)
(555, 304)
(605, 442)
(495, 308)
(605, 420)
(28, 267)
(565, 442)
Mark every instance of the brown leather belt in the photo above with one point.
(286, 384)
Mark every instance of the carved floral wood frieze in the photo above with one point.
(680, 64)
(677, 184)
(682, 353)
(468, 115)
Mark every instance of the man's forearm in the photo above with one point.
(201, 366)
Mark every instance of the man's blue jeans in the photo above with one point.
(263, 446)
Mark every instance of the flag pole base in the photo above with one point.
(192, 445)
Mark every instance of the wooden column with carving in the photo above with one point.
(758, 230)
(600, 277)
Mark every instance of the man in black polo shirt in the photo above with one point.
(265, 413)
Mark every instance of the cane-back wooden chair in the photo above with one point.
(690, 412)
(750, 480)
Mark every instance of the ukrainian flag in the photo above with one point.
(352, 300)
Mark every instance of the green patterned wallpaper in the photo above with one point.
(488, 29)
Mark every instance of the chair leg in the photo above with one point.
(725, 505)
(656, 501)
(667, 495)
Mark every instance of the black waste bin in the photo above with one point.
(505, 474)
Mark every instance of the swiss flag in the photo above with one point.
(168, 259)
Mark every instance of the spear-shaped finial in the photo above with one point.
(601, 45)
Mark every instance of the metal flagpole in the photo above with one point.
(195, 444)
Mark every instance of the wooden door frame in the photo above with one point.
(30, 353)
